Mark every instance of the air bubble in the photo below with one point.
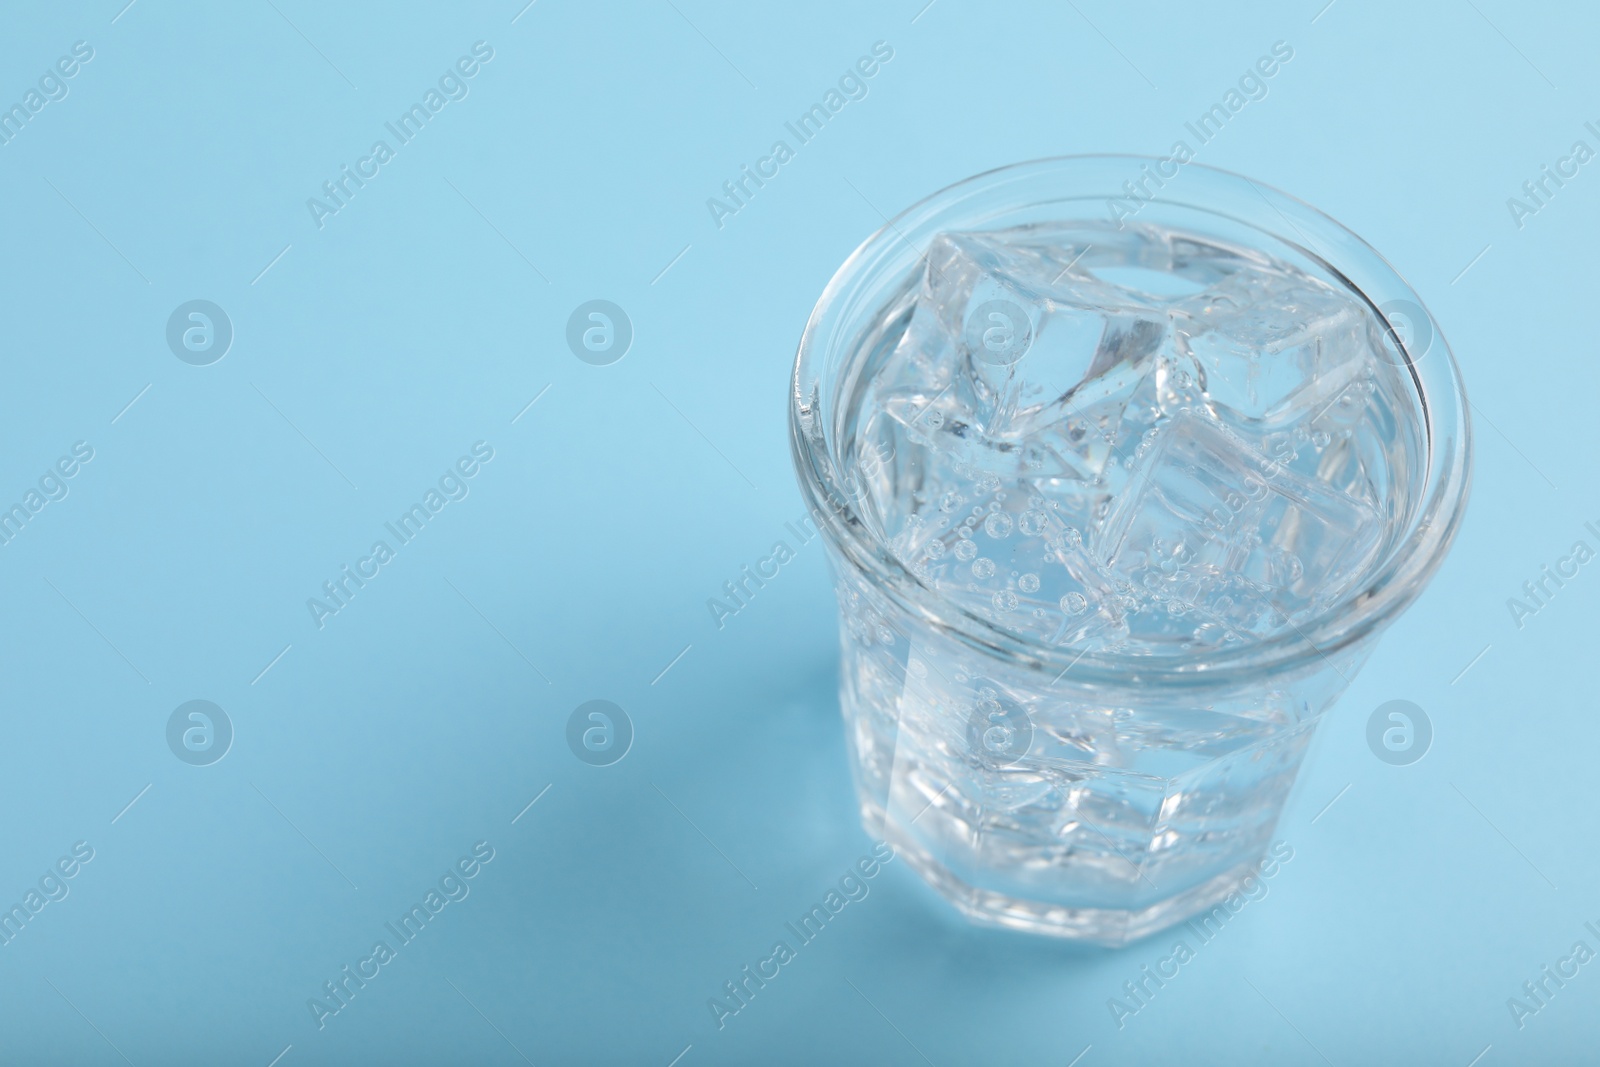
(1005, 600)
(1028, 583)
(983, 567)
(966, 549)
(997, 738)
(1074, 603)
(998, 525)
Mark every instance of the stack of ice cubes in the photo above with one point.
(1130, 439)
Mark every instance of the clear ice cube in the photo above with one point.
(1274, 347)
(1210, 525)
(1034, 344)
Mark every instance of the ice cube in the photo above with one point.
(1210, 525)
(1034, 339)
(1275, 346)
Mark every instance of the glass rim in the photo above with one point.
(1441, 407)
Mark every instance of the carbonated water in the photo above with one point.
(1134, 442)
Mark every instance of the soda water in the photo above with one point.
(1129, 443)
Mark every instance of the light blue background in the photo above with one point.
(423, 718)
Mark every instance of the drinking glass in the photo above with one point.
(1094, 793)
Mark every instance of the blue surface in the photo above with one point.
(369, 353)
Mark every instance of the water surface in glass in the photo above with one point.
(1131, 440)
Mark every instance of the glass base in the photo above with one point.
(1111, 927)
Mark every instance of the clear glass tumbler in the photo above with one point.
(1079, 792)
